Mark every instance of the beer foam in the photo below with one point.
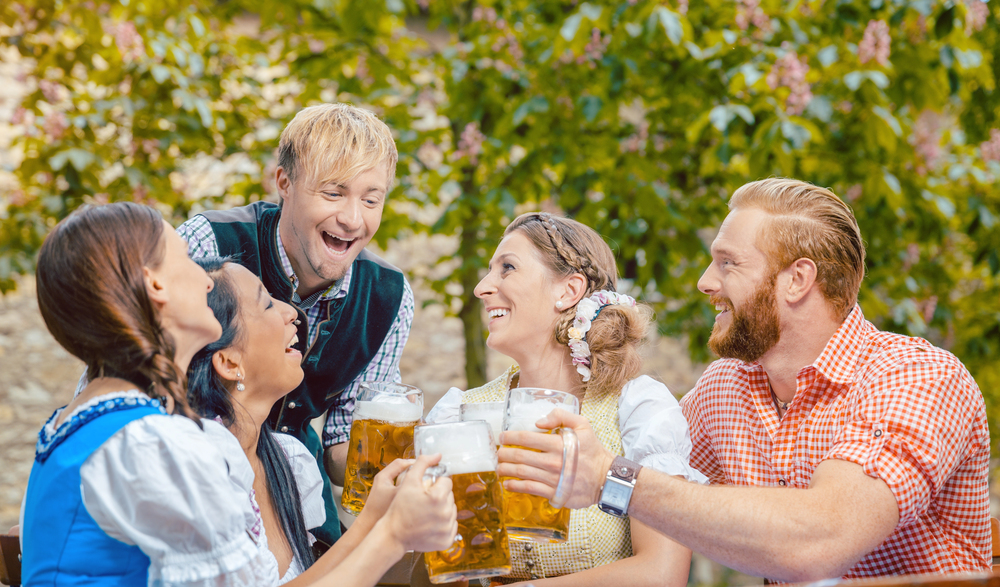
(489, 412)
(524, 416)
(464, 449)
(387, 411)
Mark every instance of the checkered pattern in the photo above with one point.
(384, 366)
(595, 538)
(907, 412)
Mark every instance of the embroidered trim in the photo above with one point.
(49, 437)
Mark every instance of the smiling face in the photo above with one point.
(741, 285)
(520, 294)
(324, 226)
(267, 335)
(185, 312)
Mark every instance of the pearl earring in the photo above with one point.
(239, 382)
(559, 304)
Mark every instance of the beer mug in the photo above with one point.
(385, 414)
(469, 457)
(530, 517)
(491, 412)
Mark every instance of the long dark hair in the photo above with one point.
(209, 395)
(92, 296)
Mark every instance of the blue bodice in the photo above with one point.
(62, 543)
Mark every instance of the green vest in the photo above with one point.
(349, 334)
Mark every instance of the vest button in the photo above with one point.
(292, 405)
(782, 482)
(284, 429)
(527, 547)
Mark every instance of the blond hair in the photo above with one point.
(336, 143)
(807, 221)
(566, 247)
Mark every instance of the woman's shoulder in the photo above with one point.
(645, 392)
(493, 391)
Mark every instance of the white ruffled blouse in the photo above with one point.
(185, 497)
(654, 431)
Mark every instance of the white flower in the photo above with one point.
(585, 371)
(587, 308)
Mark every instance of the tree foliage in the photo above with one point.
(635, 117)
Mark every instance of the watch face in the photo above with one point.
(616, 495)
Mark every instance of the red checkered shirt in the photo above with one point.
(907, 412)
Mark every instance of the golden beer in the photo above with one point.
(469, 457)
(530, 517)
(481, 548)
(382, 432)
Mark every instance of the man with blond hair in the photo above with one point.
(833, 449)
(336, 164)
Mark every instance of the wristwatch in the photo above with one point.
(618, 486)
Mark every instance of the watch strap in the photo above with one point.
(625, 469)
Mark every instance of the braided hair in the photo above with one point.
(568, 247)
(92, 296)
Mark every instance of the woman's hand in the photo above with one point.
(537, 473)
(423, 517)
(383, 491)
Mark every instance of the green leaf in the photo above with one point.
(945, 22)
(671, 24)
(750, 74)
(160, 73)
(827, 56)
(853, 79)
(889, 119)
(892, 181)
(536, 104)
(78, 158)
(591, 106)
(570, 26)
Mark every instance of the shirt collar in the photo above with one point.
(840, 356)
(337, 289)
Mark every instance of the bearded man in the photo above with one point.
(834, 449)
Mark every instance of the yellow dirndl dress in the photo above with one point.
(595, 538)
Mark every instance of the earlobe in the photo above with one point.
(226, 363)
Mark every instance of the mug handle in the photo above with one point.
(567, 473)
(432, 474)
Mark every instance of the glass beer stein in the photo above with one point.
(530, 517)
(491, 412)
(384, 417)
(469, 457)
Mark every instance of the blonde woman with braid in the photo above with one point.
(553, 307)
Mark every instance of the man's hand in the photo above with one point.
(537, 473)
(335, 462)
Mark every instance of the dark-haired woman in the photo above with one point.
(129, 487)
(236, 380)
(553, 307)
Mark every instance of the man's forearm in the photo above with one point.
(785, 534)
(335, 461)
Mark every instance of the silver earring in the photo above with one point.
(559, 304)
(239, 382)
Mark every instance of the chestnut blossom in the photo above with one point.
(875, 43)
(976, 12)
(990, 150)
(470, 144)
(749, 12)
(790, 72)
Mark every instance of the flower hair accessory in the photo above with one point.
(587, 311)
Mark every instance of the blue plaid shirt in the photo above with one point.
(384, 366)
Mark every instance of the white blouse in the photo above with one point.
(653, 429)
(185, 497)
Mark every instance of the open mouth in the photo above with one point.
(337, 244)
(289, 350)
(497, 313)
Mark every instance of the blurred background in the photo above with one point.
(636, 117)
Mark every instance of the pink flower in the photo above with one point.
(50, 89)
(471, 143)
(875, 43)
(749, 12)
(790, 72)
(976, 12)
(55, 125)
(128, 40)
(990, 149)
(926, 137)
